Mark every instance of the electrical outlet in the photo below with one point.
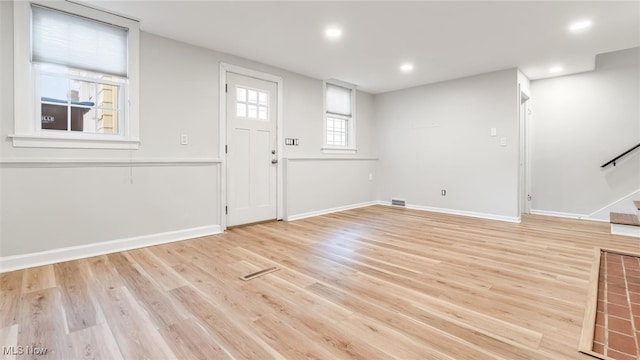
(184, 139)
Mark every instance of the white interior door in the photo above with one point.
(251, 149)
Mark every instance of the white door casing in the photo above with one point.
(524, 151)
(251, 149)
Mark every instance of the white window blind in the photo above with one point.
(78, 42)
(338, 100)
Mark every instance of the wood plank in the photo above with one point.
(9, 338)
(133, 329)
(191, 341)
(10, 292)
(288, 341)
(624, 219)
(443, 342)
(38, 278)
(588, 325)
(42, 324)
(161, 272)
(101, 273)
(324, 330)
(225, 331)
(76, 301)
(158, 303)
(96, 342)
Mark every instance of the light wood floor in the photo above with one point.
(372, 283)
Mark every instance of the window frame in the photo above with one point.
(350, 148)
(27, 132)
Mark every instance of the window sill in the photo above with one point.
(339, 150)
(74, 142)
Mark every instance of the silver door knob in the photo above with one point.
(274, 161)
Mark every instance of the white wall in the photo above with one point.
(81, 205)
(580, 122)
(314, 185)
(437, 137)
(163, 187)
(315, 182)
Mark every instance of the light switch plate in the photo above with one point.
(503, 141)
(494, 131)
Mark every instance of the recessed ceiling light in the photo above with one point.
(406, 67)
(580, 25)
(333, 32)
(555, 69)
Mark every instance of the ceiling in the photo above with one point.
(443, 40)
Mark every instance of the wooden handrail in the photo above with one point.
(613, 161)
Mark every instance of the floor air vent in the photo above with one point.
(397, 202)
(259, 273)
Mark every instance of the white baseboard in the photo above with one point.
(622, 205)
(558, 214)
(626, 230)
(17, 262)
(458, 212)
(565, 215)
(329, 211)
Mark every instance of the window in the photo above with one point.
(252, 104)
(339, 118)
(81, 67)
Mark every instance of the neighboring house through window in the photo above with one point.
(76, 82)
(339, 118)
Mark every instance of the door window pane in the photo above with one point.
(241, 110)
(252, 111)
(241, 94)
(252, 96)
(262, 112)
(262, 98)
(252, 104)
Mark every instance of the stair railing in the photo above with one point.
(613, 161)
